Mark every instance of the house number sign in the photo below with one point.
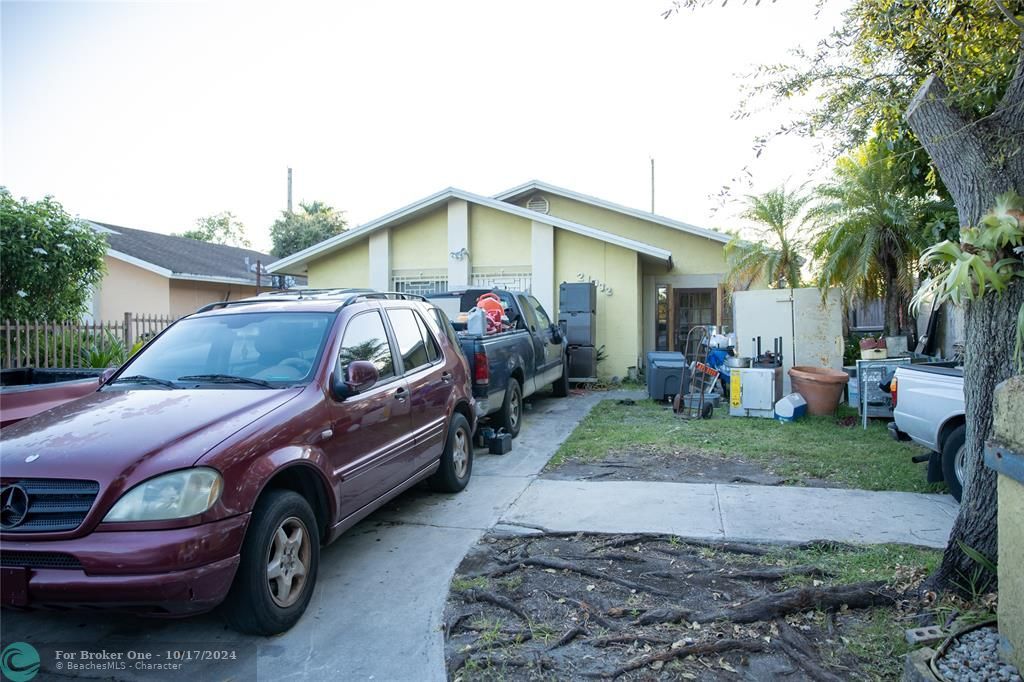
(601, 286)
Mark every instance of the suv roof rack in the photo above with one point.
(347, 297)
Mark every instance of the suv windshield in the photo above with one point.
(248, 350)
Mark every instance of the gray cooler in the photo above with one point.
(665, 371)
(577, 297)
(580, 328)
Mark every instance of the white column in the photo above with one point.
(458, 244)
(380, 260)
(542, 257)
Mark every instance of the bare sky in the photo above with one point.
(151, 115)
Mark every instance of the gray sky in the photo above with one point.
(150, 115)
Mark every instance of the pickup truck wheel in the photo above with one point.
(457, 458)
(277, 572)
(954, 459)
(561, 387)
(511, 416)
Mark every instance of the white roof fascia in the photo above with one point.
(453, 193)
(357, 232)
(213, 278)
(578, 228)
(636, 213)
(139, 263)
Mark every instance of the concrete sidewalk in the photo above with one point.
(735, 512)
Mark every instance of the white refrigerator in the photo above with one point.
(811, 327)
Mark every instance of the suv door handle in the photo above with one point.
(446, 377)
(400, 394)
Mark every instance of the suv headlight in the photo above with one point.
(171, 496)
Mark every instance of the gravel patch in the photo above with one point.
(975, 658)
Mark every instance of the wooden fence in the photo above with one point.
(75, 344)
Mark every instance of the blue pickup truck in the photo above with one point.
(509, 366)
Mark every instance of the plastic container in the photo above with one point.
(874, 353)
(476, 322)
(821, 387)
(790, 408)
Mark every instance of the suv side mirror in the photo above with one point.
(360, 375)
(106, 375)
(556, 334)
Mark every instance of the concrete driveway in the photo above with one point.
(379, 599)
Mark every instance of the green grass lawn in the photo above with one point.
(813, 447)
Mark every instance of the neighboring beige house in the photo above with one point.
(157, 274)
(656, 277)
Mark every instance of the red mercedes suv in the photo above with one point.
(213, 465)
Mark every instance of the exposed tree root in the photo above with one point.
(771, 606)
(451, 626)
(731, 547)
(799, 650)
(716, 646)
(562, 565)
(496, 599)
(568, 637)
(460, 659)
(591, 612)
(498, 661)
(620, 541)
(611, 556)
(767, 574)
(627, 639)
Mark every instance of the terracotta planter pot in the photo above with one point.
(821, 387)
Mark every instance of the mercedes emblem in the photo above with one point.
(13, 506)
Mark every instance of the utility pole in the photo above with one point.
(289, 189)
(652, 184)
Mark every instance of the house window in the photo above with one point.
(420, 282)
(513, 278)
(661, 317)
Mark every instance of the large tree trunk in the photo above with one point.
(895, 304)
(977, 161)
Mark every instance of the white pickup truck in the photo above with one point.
(928, 408)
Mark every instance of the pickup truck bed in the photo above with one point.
(509, 366)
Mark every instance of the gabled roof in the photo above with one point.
(181, 257)
(532, 186)
(289, 263)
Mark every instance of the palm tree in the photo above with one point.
(775, 256)
(874, 223)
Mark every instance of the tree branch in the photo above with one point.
(1009, 15)
(1009, 113)
(954, 146)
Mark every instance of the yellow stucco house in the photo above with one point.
(655, 276)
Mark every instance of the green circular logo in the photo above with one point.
(19, 662)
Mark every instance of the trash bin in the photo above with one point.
(665, 371)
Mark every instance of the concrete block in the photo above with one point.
(1008, 406)
(915, 666)
(932, 633)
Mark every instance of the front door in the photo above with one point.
(370, 431)
(694, 307)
